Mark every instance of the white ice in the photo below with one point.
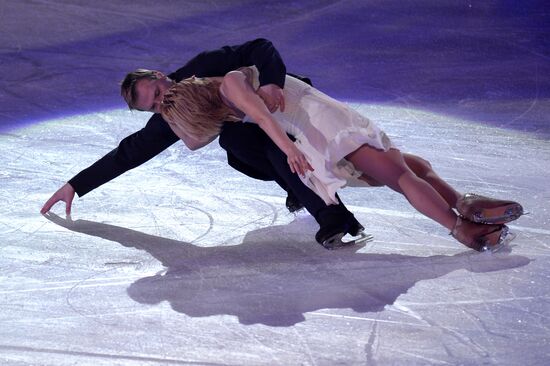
(185, 261)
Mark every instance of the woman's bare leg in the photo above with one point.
(391, 169)
(423, 169)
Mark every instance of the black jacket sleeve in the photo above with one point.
(156, 136)
(259, 52)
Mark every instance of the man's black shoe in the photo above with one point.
(330, 237)
(335, 225)
(292, 203)
(355, 228)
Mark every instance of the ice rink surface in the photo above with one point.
(184, 261)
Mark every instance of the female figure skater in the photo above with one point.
(335, 146)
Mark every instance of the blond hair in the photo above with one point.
(195, 107)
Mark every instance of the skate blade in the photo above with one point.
(337, 242)
(504, 243)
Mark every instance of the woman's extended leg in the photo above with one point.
(391, 169)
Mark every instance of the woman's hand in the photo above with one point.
(297, 161)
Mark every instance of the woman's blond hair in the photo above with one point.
(194, 106)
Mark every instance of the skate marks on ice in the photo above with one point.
(274, 280)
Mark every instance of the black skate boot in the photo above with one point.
(292, 203)
(335, 225)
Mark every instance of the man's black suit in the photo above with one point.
(249, 149)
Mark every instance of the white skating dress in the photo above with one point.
(326, 131)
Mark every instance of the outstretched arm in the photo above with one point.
(131, 152)
(238, 91)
